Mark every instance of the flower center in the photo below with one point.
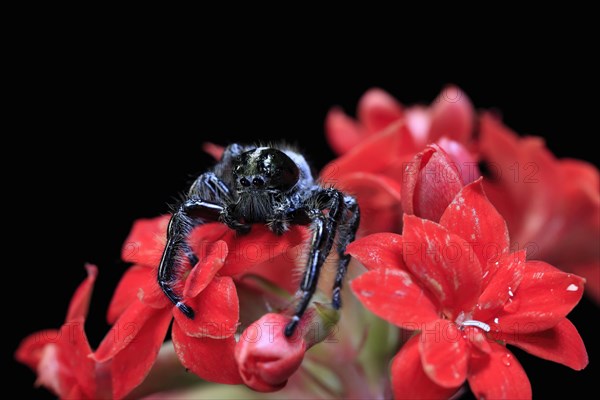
(482, 325)
(464, 319)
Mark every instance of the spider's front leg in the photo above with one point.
(346, 234)
(180, 226)
(323, 226)
(203, 205)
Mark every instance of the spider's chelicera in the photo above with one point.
(271, 185)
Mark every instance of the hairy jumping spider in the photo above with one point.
(271, 185)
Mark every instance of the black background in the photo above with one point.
(105, 136)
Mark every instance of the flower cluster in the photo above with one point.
(464, 228)
(552, 207)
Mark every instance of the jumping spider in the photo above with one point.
(271, 185)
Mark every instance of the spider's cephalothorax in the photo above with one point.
(271, 185)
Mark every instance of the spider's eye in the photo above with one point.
(244, 182)
(258, 182)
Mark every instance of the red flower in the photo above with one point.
(451, 114)
(61, 357)
(552, 207)
(141, 313)
(456, 285)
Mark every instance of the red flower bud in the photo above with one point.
(265, 356)
(429, 183)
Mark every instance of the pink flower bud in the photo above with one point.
(266, 357)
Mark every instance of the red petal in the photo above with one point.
(343, 133)
(444, 263)
(80, 302)
(392, 295)
(379, 250)
(217, 310)
(203, 236)
(210, 359)
(280, 270)
(152, 294)
(506, 276)
(523, 183)
(203, 273)
(477, 339)
(561, 344)
(444, 353)
(52, 374)
(31, 348)
(377, 110)
(376, 154)
(146, 241)
(125, 330)
(379, 200)
(572, 241)
(214, 150)
(131, 365)
(259, 246)
(473, 217)
(74, 348)
(409, 381)
(77, 393)
(74, 355)
(410, 178)
(452, 115)
(246, 251)
(498, 376)
(128, 290)
(534, 267)
(543, 299)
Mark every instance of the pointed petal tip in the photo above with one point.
(342, 132)
(378, 250)
(453, 115)
(204, 272)
(92, 270)
(213, 150)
